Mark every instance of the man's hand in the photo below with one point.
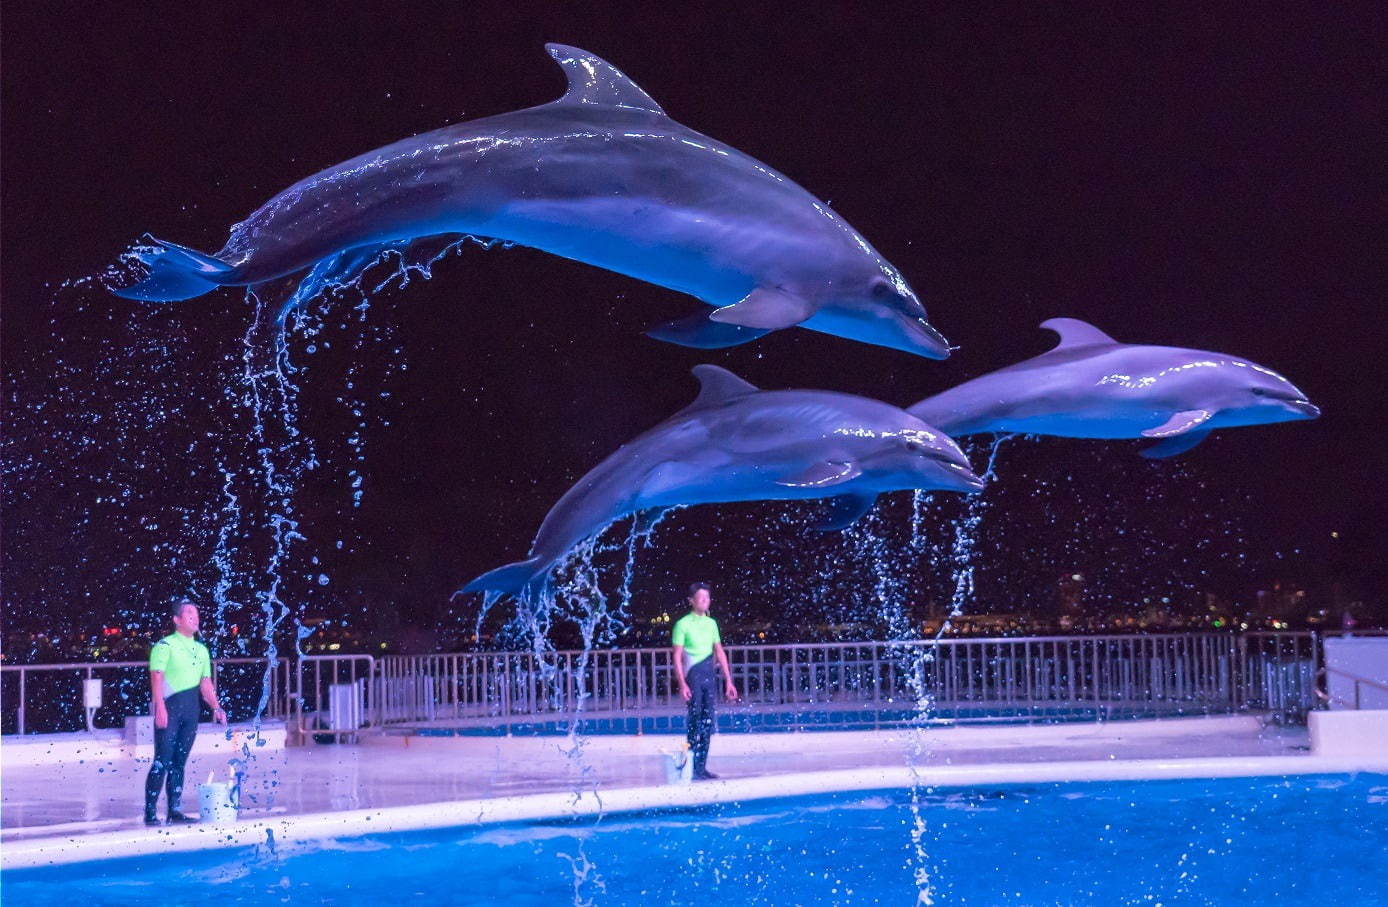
(730, 691)
(220, 716)
(161, 715)
(684, 691)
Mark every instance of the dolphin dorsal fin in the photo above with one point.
(593, 80)
(718, 385)
(1074, 332)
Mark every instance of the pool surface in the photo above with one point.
(1304, 840)
(746, 720)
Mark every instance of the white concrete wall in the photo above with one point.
(1349, 733)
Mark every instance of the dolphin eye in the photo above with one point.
(915, 445)
(882, 290)
(1259, 392)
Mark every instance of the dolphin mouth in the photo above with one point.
(936, 346)
(969, 481)
(1306, 408)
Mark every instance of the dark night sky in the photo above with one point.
(1207, 176)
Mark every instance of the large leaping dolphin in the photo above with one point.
(738, 443)
(1092, 386)
(601, 176)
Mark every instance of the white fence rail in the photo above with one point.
(1103, 676)
(1111, 676)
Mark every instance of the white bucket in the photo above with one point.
(217, 802)
(679, 767)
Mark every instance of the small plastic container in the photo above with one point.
(218, 802)
(679, 767)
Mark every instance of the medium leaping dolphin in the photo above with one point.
(738, 443)
(600, 176)
(1092, 386)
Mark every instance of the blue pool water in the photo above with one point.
(1303, 840)
(735, 720)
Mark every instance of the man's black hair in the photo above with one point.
(695, 587)
(179, 604)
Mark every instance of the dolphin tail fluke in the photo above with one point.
(175, 272)
(523, 580)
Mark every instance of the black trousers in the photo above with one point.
(703, 698)
(172, 744)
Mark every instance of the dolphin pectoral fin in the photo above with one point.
(824, 474)
(844, 511)
(699, 332)
(1179, 424)
(1176, 444)
(766, 310)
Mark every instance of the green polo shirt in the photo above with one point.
(697, 633)
(184, 661)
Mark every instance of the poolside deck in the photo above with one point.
(75, 810)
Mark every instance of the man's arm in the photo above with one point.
(209, 696)
(729, 688)
(156, 699)
(679, 672)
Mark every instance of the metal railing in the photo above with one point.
(1356, 702)
(332, 696)
(1039, 677)
(1102, 676)
(299, 692)
(56, 692)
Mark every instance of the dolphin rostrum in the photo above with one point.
(1092, 386)
(600, 176)
(738, 443)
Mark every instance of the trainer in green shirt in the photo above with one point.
(183, 660)
(695, 638)
(696, 633)
(180, 672)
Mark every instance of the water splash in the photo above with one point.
(966, 529)
(891, 569)
(575, 599)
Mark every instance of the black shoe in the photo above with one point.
(152, 820)
(705, 775)
(180, 819)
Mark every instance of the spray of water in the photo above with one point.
(913, 654)
(575, 598)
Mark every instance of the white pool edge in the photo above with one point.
(298, 830)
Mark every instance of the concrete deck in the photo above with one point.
(71, 811)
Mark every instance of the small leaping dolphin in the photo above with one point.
(1092, 386)
(738, 443)
(600, 176)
